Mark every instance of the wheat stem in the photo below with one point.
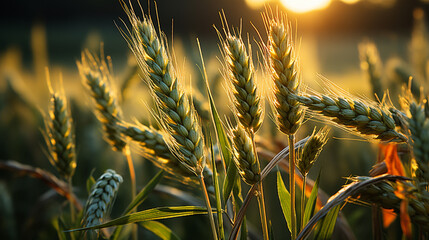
(72, 210)
(262, 211)
(304, 182)
(292, 183)
(127, 154)
(208, 205)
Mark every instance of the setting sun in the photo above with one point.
(301, 6)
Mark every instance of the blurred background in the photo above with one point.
(36, 34)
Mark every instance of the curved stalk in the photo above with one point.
(209, 208)
(292, 184)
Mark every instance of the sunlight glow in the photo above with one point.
(301, 6)
(255, 4)
(350, 1)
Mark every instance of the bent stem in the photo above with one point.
(262, 211)
(304, 184)
(127, 154)
(261, 201)
(209, 208)
(72, 210)
(292, 184)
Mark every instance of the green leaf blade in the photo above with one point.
(150, 215)
(160, 230)
(311, 203)
(328, 224)
(284, 198)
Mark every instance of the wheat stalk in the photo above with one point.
(285, 72)
(101, 197)
(176, 115)
(96, 77)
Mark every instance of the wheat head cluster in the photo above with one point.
(192, 144)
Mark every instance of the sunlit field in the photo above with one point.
(252, 119)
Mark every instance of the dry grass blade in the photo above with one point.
(345, 193)
(59, 186)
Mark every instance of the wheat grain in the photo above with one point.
(96, 77)
(60, 138)
(101, 197)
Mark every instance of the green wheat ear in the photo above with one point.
(176, 115)
(96, 77)
(241, 75)
(285, 72)
(60, 135)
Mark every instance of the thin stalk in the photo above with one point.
(261, 201)
(262, 211)
(376, 222)
(209, 208)
(292, 183)
(72, 210)
(127, 154)
(304, 184)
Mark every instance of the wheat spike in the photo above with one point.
(96, 77)
(418, 124)
(101, 197)
(311, 150)
(177, 116)
(60, 139)
(156, 150)
(355, 115)
(241, 74)
(371, 63)
(244, 155)
(286, 75)
(383, 194)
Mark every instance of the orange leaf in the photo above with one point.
(391, 158)
(388, 217)
(405, 219)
